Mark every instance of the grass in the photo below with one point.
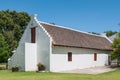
(8, 75)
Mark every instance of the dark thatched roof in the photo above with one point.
(71, 38)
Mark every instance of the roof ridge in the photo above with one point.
(71, 29)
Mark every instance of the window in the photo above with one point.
(95, 56)
(33, 35)
(69, 56)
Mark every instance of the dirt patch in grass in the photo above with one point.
(92, 70)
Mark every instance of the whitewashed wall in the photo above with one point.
(24, 57)
(18, 58)
(43, 47)
(28, 54)
(30, 57)
(81, 58)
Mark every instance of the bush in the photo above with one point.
(2, 68)
(15, 69)
(41, 67)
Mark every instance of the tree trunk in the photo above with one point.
(118, 62)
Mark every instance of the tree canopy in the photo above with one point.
(110, 33)
(94, 33)
(116, 48)
(3, 49)
(12, 25)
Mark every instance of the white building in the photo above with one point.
(59, 48)
(113, 37)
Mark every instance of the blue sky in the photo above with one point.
(84, 15)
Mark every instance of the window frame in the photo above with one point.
(69, 56)
(95, 56)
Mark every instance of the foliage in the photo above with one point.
(52, 23)
(12, 25)
(116, 48)
(41, 67)
(7, 75)
(3, 49)
(94, 33)
(2, 66)
(110, 33)
(15, 69)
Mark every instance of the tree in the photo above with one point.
(110, 33)
(116, 48)
(52, 23)
(3, 49)
(94, 33)
(12, 26)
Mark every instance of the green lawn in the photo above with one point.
(8, 75)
